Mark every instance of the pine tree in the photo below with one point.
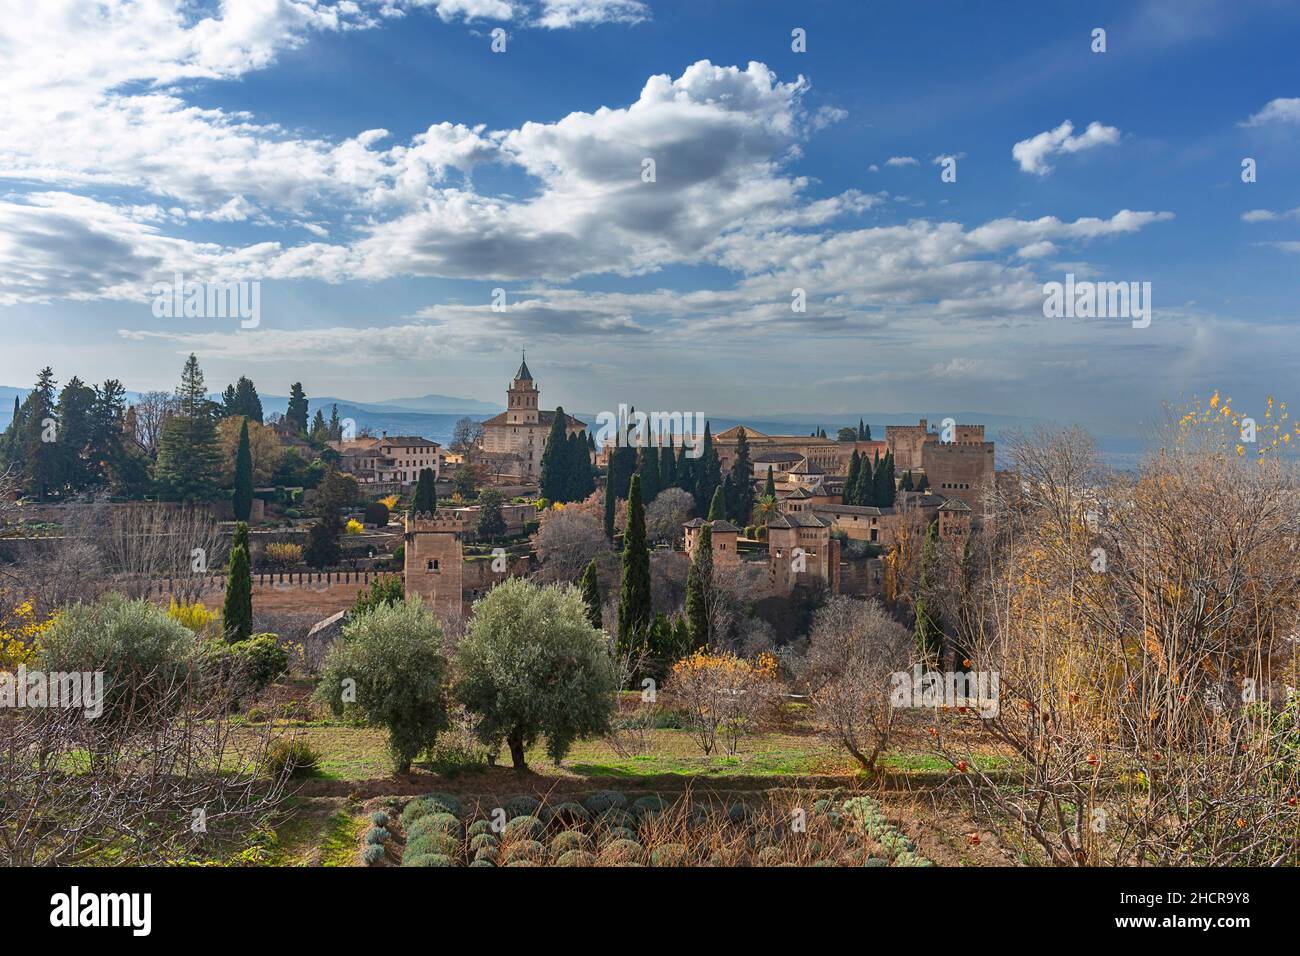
(76, 427)
(425, 499)
(634, 594)
(699, 587)
(906, 484)
(590, 588)
(718, 507)
(740, 504)
(648, 469)
(929, 623)
(851, 482)
(237, 614)
(107, 449)
(769, 487)
(41, 455)
(242, 496)
(188, 453)
(491, 525)
(555, 483)
(296, 413)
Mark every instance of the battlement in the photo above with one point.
(436, 523)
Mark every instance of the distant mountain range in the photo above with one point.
(435, 416)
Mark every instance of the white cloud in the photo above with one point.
(563, 14)
(901, 161)
(1281, 110)
(1267, 215)
(1032, 154)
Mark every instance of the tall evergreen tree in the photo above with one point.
(335, 426)
(851, 482)
(685, 471)
(634, 611)
(769, 487)
(425, 499)
(107, 449)
(323, 550)
(76, 427)
(906, 483)
(582, 480)
(740, 504)
(708, 473)
(42, 457)
(924, 483)
(188, 452)
(296, 413)
(718, 506)
(648, 469)
(667, 467)
(242, 496)
(556, 462)
(319, 430)
(884, 482)
(237, 613)
(699, 588)
(863, 433)
(590, 588)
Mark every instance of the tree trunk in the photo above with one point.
(517, 754)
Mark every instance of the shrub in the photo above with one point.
(525, 828)
(436, 823)
(354, 527)
(576, 858)
(378, 835)
(377, 514)
(617, 833)
(521, 805)
(532, 666)
(443, 802)
(491, 853)
(480, 828)
(649, 804)
(431, 803)
(670, 854)
(282, 554)
(617, 818)
(723, 694)
(425, 843)
(293, 758)
(770, 856)
(430, 859)
(532, 850)
(569, 840)
(603, 800)
(373, 855)
(261, 659)
(379, 818)
(567, 816)
(194, 615)
(621, 851)
(483, 862)
(392, 656)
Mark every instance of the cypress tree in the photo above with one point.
(242, 496)
(718, 507)
(851, 482)
(582, 475)
(740, 504)
(708, 473)
(555, 479)
(634, 612)
(769, 489)
(923, 483)
(862, 431)
(906, 483)
(685, 471)
(237, 613)
(884, 481)
(425, 499)
(699, 585)
(296, 413)
(590, 588)
(648, 469)
(667, 468)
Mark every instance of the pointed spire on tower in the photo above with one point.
(523, 375)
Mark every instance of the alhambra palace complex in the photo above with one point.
(804, 541)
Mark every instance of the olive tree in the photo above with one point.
(389, 669)
(532, 666)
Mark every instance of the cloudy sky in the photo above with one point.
(380, 169)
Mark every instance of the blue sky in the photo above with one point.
(380, 171)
